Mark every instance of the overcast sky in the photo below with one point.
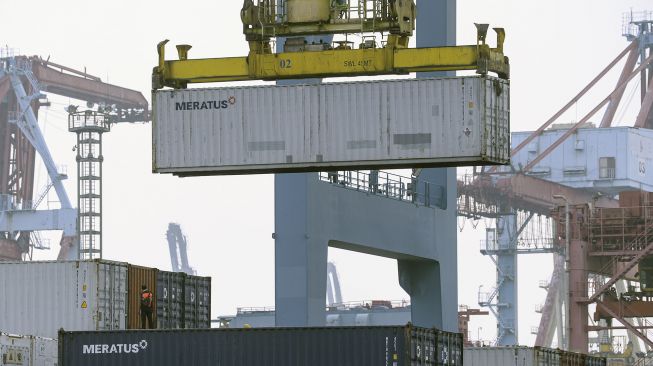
(555, 48)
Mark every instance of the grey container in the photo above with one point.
(527, 356)
(170, 300)
(350, 346)
(38, 298)
(372, 124)
(197, 302)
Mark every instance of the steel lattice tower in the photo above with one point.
(89, 126)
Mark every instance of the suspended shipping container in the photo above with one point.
(27, 350)
(38, 298)
(527, 356)
(360, 346)
(372, 124)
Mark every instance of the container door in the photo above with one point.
(190, 302)
(204, 302)
(177, 300)
(169, 300)
(111, 296)
(495, 119)
(15, 350)
(44, 352)
(137, 277)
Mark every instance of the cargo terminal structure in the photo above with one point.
(310, 215)
(584, 167)
(23, 83)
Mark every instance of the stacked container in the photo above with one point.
(137, 277)
(197, 300)
(170, 300)
(39, 298)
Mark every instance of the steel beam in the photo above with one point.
(84, 88)
(572, 130)
(608, 116)
(539, 131)
(630, 327)
(623, 270)
(507, 284)
(646, 109)
(30, 127)
(548, 319)
(29, 220)
(578, 276)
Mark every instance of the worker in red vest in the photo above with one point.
(147, 307)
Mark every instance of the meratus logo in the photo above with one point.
(118, 348)
(206, 105)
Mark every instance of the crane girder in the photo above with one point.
(85, 88)
(528, 193)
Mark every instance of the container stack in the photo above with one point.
(39, 298)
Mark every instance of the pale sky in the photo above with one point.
(555, 48)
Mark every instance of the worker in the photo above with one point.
(147, 307)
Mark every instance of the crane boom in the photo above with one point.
(178, 249)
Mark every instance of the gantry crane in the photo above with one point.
(500, 193)
(23, 82)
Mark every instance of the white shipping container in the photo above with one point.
(27, 350)
(15, 350)
(44, 351)
(39, 298)
(373, 124)
(510, 356)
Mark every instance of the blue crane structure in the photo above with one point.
(313, 214)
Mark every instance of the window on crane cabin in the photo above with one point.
(607, 168)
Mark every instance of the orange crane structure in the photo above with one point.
(23, 82)
(546, 173)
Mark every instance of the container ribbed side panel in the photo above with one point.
(527, 356)
(410, 122)
(197, 302)
(39, 298)
(170, 302)
(343, 346)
